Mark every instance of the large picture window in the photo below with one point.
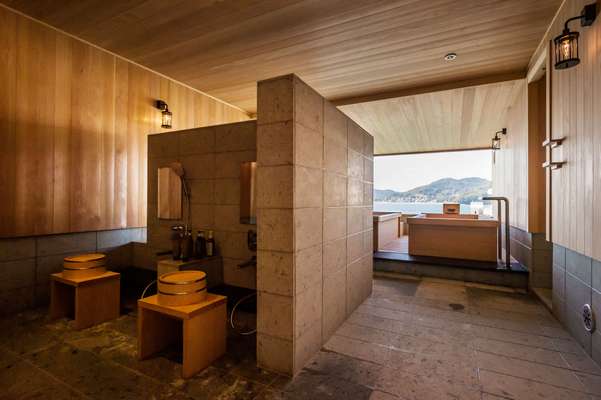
(420, 183)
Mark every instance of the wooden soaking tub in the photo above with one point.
(462, 236)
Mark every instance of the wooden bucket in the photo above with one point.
(182, 288)
(84, 266)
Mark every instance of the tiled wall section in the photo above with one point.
(534, 252)
(577, 281)
(211, 158)
(314, 198)
(26, 263)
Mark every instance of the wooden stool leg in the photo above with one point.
(96, 303)
(155, 332)
(61, 300)
(204, 340)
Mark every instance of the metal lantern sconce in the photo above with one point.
(496, 140)
(566, 44)
(165, 114)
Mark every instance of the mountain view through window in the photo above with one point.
(418, 183)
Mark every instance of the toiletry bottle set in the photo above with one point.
(184, 247)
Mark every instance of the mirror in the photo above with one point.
(248, 171)
(169, 196)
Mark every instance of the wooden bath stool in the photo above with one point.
(201, 328)
(89, 301)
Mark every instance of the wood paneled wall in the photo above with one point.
(511, 162)
(575, 114)
(73, 127)
(517, 171)
(537, 131)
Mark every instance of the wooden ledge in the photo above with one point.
(468, 223)
(386, 216)
(182, 312)
(85, 281)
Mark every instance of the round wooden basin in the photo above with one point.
(181, 288)
(84, 266)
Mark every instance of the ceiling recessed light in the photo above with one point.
(450, 56)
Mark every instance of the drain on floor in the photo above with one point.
(456, 307)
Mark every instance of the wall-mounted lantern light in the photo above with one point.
(496, 140)
(566, 44)
(165, 114)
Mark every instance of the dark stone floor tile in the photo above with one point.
(248, 369)
(270, 394)
(96, 377)
(280, 382)
(344, 367)
(60, 359)
(165, 366)
(7, 358)
(28, 337)
(97, 339)
(310, 385)
(125, 324)
(21, 380)
(217, 384)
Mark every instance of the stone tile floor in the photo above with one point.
(412, 339)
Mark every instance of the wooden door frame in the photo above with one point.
(542, 68)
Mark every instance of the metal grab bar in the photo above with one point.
(498, 199)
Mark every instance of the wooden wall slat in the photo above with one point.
(73, 127)
(510, 169)
(62, 135)
(575, 104)
(343, 48)
(8, 73)
(536, 156)
(34, 130)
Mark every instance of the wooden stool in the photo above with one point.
(89, 301)
(201, 328)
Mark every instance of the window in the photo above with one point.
(418, 183)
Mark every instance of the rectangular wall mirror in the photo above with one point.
(248, 172)
(169, 196)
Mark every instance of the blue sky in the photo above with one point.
(403, 173)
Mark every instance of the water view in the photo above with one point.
(416, 208)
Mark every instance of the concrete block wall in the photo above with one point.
(211, 157)
(26, 263)
(314, 200)
(576, 282)
(534, 252)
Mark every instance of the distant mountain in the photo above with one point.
(452, 190)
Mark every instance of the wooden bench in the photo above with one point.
(89, 301)
(201, 328)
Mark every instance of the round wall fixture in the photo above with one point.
(450, 56)
(588, 318)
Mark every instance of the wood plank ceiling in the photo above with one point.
(448, 120)
(342, 48)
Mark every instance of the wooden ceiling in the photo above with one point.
(464, 118)
(342, 48)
